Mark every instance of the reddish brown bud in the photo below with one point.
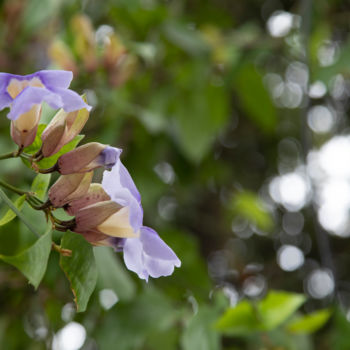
(68, 188)
(62, 129)
(88, 157)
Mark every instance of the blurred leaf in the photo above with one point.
(193, 271)
(309, 323)
(201, 114)
(80, 268)
(149, 314)
(339, 335)
(200, 333)
(112, 275)
(34, 15)
(51, 161)
(267, 314)
(249, 206)
(10, 214)
(40, 185)
(189, 40)
(255, 100)
(239, 320)
(277, 306)
(32, 262)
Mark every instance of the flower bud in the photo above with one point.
(95, 194)
(61, 54)
(68, 188)
(24, 128)
(107, 217)
(88, 157)
(62, 129)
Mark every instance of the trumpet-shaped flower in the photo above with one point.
(147, 254)
(22, 92)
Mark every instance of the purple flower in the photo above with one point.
(149, 255)
(20, 93)
(119, 185)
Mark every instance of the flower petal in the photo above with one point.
(31, 96)
(54, 78)
(133, 257)
(71, 100)
(155, 247)
(149, 255)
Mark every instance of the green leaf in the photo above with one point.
(32, 262)
(200, 333)
(203, 112)
(189, 40)
(249, 206)
(254, 98)
(112, 275)
(80, 268)
(8, 201)
(265, 315)
(51, 161)
(277, 306)
(309, 323)
(40, 185)
(239, 320)
(10, 214)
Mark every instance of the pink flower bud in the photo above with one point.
(107, 217)
(95, 194)
(68, 188)
(62, 129)
(88, 157)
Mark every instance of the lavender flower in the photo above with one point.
(21, 93)
(147, 255)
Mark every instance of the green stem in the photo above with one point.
(12, 188)
(8, 155)
(8, 201)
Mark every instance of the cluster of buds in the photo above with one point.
(106, 214)
(92, 49)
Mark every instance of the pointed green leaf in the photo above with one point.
(112, 275)
(307, 324)
(265, 315)
(277, 306)
(10, 214)
(200, 333)
(32, 262)
(40, 185)
(239, 320)
(80, 268)
(254, 98)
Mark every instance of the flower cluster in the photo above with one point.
(106, 214)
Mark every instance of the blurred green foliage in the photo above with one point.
(182, 87)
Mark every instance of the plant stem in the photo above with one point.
(8, 201)
(8, 155)
(13, 189)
